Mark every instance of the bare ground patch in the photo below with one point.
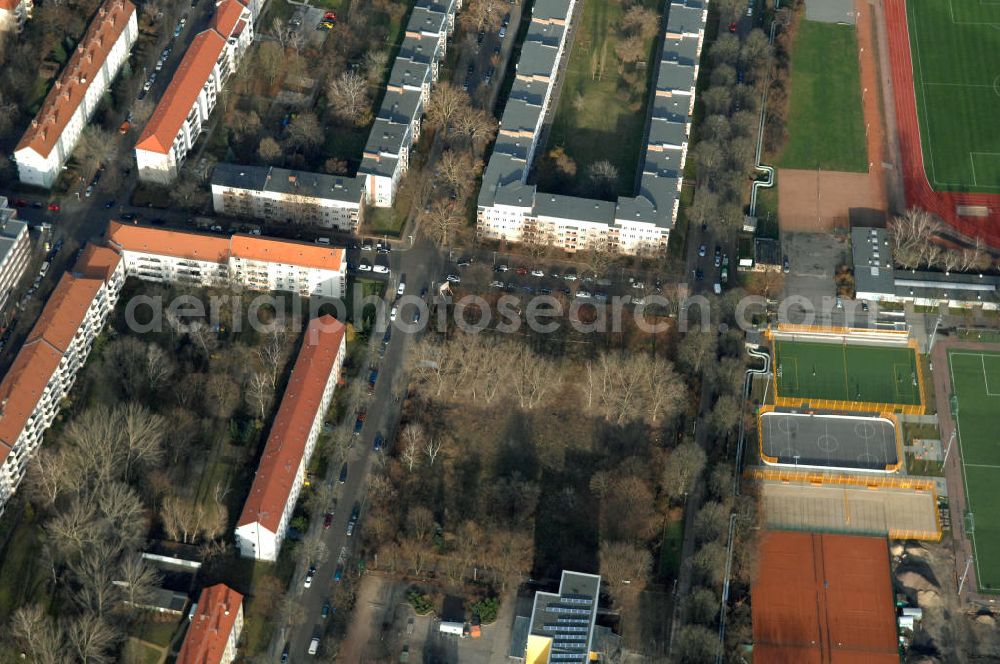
(817, 201)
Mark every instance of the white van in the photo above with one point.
(314, 646)
(717, 288)
(322, 240)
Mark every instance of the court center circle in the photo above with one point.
(827, 443)
(864, 430)
(787, 425)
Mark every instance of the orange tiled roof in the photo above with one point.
(69, 89)
(208, 634)
(286, 443)
(188, 80)
(65, 310)
(227, 15)
(22, 387)
(98, 262)
(179, 244)
(9, 5)
(303, 254)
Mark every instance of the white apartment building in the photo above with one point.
(282, 196)
(183, 111)
(386, 156)
(14, 250)
(258, 263)
(14, 13)
(55, 130)
(215, 627)
(267, 512)
(513, 210)
(46, 366)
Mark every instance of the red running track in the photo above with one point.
(918, 190)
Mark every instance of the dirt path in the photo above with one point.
(891, 159)
(871, 100)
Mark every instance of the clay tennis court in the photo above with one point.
(823, 598)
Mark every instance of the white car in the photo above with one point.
(381, 269)
(583, 295)
(364, 267)
(401, 288)
(314, 646)
(569, 276)
(309, 580)
(392, 314)
(537, 273)
(453, 278)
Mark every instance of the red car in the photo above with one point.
(54, 207)
(20, 202)
(330, 16)
(732, 26)
(328, 520)
(522, 271)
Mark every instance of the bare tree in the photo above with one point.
(348, 97)
(376, 60)
(313, 550)
(625, 567)
(159, 366)
(123, 511)
(91, 638)
(272, 352)
(457, 169)
(70, 530)
(432, 448)
(142, 435)
(420, 522)
(49, 475)
(269, 150)
(446, 102)
(483, 15)
(413, 438)
(139, 579)
(270, 60)
(442, 221)
(305, 131)
(94, 570)
(603, 176)
(477, 126)
(39, 635)
(682, 469)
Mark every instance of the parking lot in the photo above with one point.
(813, 259)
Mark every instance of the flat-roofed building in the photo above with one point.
(278, 481)
(14, 249)
(282, 196)
(561, 627)
(215, 627)
(183, 112)
(47, 364)
(53, 133)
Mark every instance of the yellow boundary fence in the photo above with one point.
(774, 460)
(823, 335)
(870, 482)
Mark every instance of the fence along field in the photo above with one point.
(955, 51)
(814, 371)
(975, 386)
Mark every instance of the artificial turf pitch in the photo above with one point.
(839, 372)
(955, 50)
(975, 381)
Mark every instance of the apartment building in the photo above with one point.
(282, 196)
(510, 208)
(14, 250)
(264, 521)
(183, 112)
(386, 155)
(14, 14)
(257, 263)
(215, 627)
(49, 141)
(46, 366)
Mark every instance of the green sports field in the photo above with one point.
(825, 76)
(975, 381)
(955, 47)
(873, 374)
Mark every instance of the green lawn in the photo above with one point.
(22, 577)
(599, 117)
(670, 550)
(826, 128)
(955, 49)
(875, 374)
(975, 381)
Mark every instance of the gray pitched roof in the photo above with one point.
(281, 180)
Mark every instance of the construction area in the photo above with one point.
(826, 441)
(823, 598)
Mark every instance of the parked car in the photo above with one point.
(377, 445)
(124, 127)
(702, 250)
(381, 269)
(453, 278)
(393, 312)
(325, 611)
(314, 646)
(364, 266)
(402, 285)
(54, 207)
(309, 579)
(343, 474)
(502, 33)
(537, 273)
(372, 379)
(328, 520)
(360, 421)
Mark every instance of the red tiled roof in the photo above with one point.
(9, 5)
(303, 254)
(98, 262)
(22, 387)
(188, 80)
(227, 15)
(69, 89)
(179, 244)
(65, 310)
(208, 633)
(823, 598)
(286, 443)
